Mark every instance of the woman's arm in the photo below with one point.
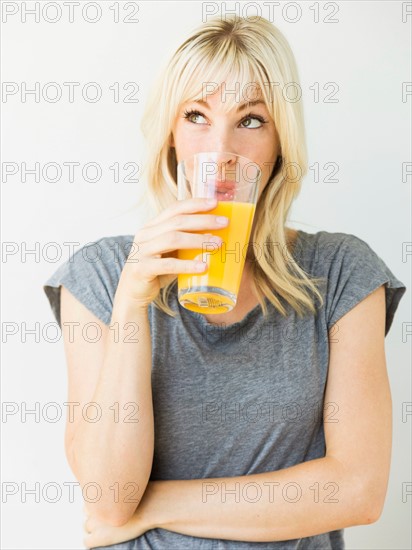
(346, 487)
(307, 499)
(304, 500)
(115, 453)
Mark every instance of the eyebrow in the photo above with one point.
(241, 107)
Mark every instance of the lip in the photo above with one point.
(224, 189)
(224, 184)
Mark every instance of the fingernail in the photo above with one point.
(216, 240)
(222, 220)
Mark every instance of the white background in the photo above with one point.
(367, 133)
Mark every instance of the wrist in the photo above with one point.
(148, 508)
(125, 309)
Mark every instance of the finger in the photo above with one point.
(152, 268)
(175, 240)
(186, 206)
(166, 246)
(188, 222)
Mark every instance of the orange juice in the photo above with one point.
(215, 290)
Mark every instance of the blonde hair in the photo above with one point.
(232, 51)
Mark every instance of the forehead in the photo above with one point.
(224, 80)
(239, 91)
(229, 95)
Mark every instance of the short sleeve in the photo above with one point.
(92, 275)
(354, 272)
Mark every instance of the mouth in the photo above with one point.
(224, 189)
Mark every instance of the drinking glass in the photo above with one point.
(234, 180)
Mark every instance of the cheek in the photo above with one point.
(186, 143)
(267, 165)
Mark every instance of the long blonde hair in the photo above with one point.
(231, 51)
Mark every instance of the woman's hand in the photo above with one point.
(152, 262)
(98, 533)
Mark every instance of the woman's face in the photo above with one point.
(247, 130)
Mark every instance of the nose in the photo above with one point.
(220, 141)
(226, 162)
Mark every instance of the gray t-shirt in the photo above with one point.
(240, 399)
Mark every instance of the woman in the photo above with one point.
(265, 427)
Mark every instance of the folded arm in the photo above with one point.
(347, 487)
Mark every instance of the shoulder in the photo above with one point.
(325, 246)
(92, 275)
(351, 269)
(326, 253)
(114, 248)
(102, 259)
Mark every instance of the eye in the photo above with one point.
(249, 118)
(189, 115)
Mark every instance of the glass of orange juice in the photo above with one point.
(234, 180)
